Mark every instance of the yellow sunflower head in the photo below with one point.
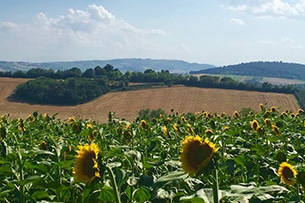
(254, 125)
(86, 167)
(196, 153)
(236, 114)
(300, 111)
(71, 120)
(165, 131)
(267, 121)
(176, 127)
(143, 124)
(276, 129)
(287, 173)
(225, 128)
(262, 107)
(273, 109)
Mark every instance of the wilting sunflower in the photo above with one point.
(287, 173)
(196, 153)
(86, 167)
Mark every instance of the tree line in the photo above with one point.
(72, 86)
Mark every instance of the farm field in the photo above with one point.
(182, 157)
(127, 104)
(272, 80)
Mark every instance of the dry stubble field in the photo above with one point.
(127, 104)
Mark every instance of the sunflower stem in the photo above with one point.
(114, 185)
(215, 186)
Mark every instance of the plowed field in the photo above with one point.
(127, 104)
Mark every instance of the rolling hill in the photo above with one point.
(132, 64)
(261, 69)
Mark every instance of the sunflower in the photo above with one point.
(165, 131)
(176, 127)
(43, 145)
(71, 120)
(287, 173)
(189, 128)
(143, 124)
(276, 129)
(196, 153)
(273, 109)
(225, 128)
(86, 167)
(262, 107)
(300, 111)
(267, 121)
(254, 125)
(236, 114)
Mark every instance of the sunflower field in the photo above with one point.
(181, 157)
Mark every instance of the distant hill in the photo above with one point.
(173, 66)
(263, 69)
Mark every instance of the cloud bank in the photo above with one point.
(93, 33)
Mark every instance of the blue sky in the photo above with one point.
(219, 32)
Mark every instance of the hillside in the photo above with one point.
(262, 69)
(127, 104)
(174, 66)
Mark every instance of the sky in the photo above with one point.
(217, 32)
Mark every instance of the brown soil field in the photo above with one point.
(126, 105)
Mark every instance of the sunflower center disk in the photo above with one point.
(198, 153)
(287, 173)
(88, 165)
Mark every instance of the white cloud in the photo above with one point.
(268, 7)
(237, 21)
(238, 8)
(277, 7)
(99, 12)
(80, 34)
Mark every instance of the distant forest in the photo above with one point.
(264, 69)
(72, 86)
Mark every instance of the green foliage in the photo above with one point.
(140, 163)
(148, 114)
(69, 87)
(61, 92)
(260, 68)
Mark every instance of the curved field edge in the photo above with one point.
(127, 104)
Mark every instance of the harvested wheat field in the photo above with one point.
(127, 104)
